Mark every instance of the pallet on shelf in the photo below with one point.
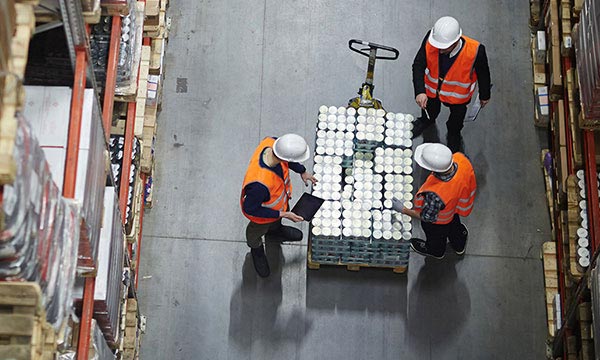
(585, 330)
(24, 332)
(539, 80)
(120, 8)
(155, 25)
(12, 91)
(92, 17)
(550, 283)
(553, 53)
(132, 236)
(132, 337)
(566, 43)
(142, 91)
(129, 93)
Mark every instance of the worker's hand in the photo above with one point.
(306, 177)
(397, 205)
(421, 100)
(484, 102)
(291, 216)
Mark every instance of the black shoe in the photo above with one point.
(418, 245)
(465, 234)
(284, 233)
(419, 126)
(261, 265)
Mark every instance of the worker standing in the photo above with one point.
(447, 194)
(445, 70)
(267, 190)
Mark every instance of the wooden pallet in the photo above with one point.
(142, 91)
(155, 25)
(92, 17)
(132, 236)
(24, 332)
(132, 334)
(352, 267)
(539, 80)
(13, 96)
(550, 282)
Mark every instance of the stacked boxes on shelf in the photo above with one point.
(363, 160)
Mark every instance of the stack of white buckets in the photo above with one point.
(363, 159)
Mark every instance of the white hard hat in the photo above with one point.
(291, 147)
(434, 157)
(445, 32)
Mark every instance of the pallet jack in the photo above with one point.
(365, 93)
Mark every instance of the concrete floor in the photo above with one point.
(237, 71)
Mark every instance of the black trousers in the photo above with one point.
(437, 236)
(455, 122)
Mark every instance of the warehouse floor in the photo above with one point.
(237, 71)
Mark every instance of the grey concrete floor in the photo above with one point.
(237, 71)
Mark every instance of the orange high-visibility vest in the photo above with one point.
(459, 84)
(280, 189)
(458, 194)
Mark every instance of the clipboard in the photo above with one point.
(307, 206)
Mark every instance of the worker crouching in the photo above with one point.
(266, 192)
(447, 194)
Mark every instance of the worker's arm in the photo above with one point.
(431, 207)
(255, 194)
(483, 75)
(305, 175)
(418, 68)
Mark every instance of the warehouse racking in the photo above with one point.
(571, 160)
(77, 18)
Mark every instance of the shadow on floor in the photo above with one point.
(376, 290)
(438, 303)
(256, 311)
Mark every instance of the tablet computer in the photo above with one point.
(307, 206)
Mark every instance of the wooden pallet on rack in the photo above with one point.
(156, 24)
(132, 236)
(550, 282)
(12, 92)
(24, 332)
(132, 334)
(142, 91)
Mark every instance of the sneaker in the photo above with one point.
(418, 245)
(284, 233)
(465, 233)
(261, 265)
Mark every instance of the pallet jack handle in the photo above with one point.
(372, 46)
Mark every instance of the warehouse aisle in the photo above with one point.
(238, 71)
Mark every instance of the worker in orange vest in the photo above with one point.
(447, 194)
(267, 190)
(445, 70)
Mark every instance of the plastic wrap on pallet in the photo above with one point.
(108, 289)
(48, 109)
(99, 44)
(99, 349)
(41, 235)
(588, 59)
(129, 55)
(116, 147)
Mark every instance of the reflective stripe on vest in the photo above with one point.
(280, 190)
(458, 194)
(458, 85)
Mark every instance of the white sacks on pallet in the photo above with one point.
(40, 238)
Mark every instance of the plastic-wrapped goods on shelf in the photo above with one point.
(99, 44)
(130, 52)
(588, 61)
(99, 349)
(40, 238)
(47, 108)
(109, 285)
(116, 147)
